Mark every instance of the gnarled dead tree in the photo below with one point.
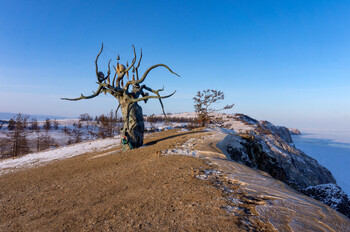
(132, 132)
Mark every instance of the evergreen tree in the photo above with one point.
(17, 136)
(47, 124)
(203, 100)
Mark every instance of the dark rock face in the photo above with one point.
(332, 195)
(254, 157)
(270, 149)
(282, 161)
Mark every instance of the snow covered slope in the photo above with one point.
(44, 157)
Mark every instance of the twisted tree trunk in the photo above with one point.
(132, 132)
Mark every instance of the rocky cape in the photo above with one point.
(264, 146)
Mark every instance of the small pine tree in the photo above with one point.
(17, 135)
(47, 124)
(11, 125)
(203, 100)
(34, 124)
(66, 130)
(46, 141)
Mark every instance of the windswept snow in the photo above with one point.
(41, 158)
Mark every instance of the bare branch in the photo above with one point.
(117, 109)
(116, 90)
(151, 90)
(120, 77)
(85, 97)
(227, 107)
(113, 82)
(157, 93)
(97, 59)
(146, 73)
(108, 72)
(148, 97)
(133, 61)
(109, 68)
(138, 65)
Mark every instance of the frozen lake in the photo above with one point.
(331, 148)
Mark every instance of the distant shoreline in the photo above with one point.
(7, 116)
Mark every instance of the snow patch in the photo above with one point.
(42, 158)
(207, 174)
(177, 151)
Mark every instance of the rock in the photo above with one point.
(282, 161)
(269, 148)
(246, 119)
(280, 131)
(332, 195)
(294, 131)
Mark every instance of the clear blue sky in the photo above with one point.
(283, 61)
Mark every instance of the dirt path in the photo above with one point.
(113, 191)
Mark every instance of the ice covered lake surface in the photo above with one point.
(331, 148)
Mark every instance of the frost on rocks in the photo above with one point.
(207, 173)
(184, 149)
(177, 151)
(331, 195)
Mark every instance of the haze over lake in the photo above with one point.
(331, 148)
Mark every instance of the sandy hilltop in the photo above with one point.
(242, 176)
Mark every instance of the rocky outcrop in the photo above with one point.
(294, 131)
(280, 131)
(270, 148)
(332, 195)
(282, 161)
